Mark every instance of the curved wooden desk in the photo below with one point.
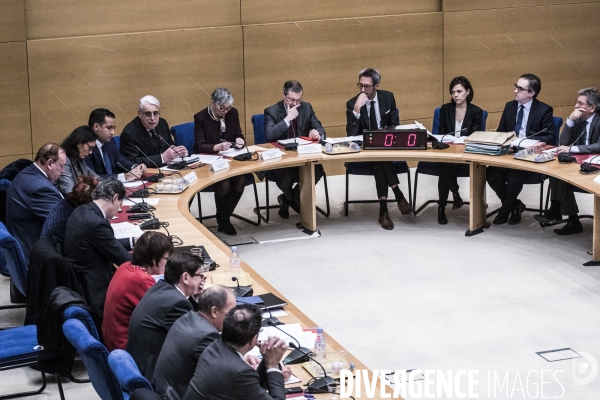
(175, 208)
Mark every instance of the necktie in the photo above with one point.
(373, 117)
(156, 138)
(585, 136)
(293, 129)
(519, 121)
(106, 161)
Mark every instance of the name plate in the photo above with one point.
(219, 165)
(191, 177)
(272, 154)
(309, 149)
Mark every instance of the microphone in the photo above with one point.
(241, 291)
(155, 177)
(292, 146)
(518, 146)
(318, 385)
(567, 158)
(180, 165)
(140, 207)
(440, 145)
(141, 192)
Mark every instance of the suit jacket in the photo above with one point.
(207, 131)
(221, 374)
(472, 120)
(187, 339)
(276, 128)
(68, 179)
(540, 117)
(96, 163)
(55, 226)
(92, 249)
(570, 134)
(135, 134)
(151, 320)
(30, 199)
(387, 111)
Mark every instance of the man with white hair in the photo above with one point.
(149, 134)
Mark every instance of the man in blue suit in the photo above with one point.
(105, 157)
(32, 196)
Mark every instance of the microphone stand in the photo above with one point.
(440, 145)
(241, 291)
(518, 146)
(156, 177)
(292, 146)
(318, 385)
(181, 164)
(141, 192)
(567, 158)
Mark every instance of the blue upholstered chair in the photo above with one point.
(183, 135)
(17, 350)
(432, 168)
(260, 137)
(366, 169)
(4, 185)
(127, 372)
(78, 313)
(95, 357)
(12, 263)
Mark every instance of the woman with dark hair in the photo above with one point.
(461, 118)
(217, 128)
(130, 283)
(56, 221)
(77, 146)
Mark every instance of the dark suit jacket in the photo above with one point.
(29, 200)
(540, 117)
(134, 134)
(95, 162)
(221, 374)
(151, 320)
(92, 249)
(276, 128)
(207, 131)
(387, 111)
(187, 339)
(569, 135)
(472, 119)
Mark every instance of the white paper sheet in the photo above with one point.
(126, 230)
(344, 139)
(299, 141)
(232, 152)
(135, 200)
(134, 184)
(306, 339)
(276, 313)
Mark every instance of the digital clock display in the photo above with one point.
(393, 139)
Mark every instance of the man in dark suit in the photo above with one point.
(150, 134)
(32, 196)
(222, 374)
(287, 119)
(376, 109)
(189, 336)
(581, 135)
(526, 116)
(160, 307)
(90, 243)
(105, 157)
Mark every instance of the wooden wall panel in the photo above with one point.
(326, 57)
(270, 11)
(465, 5)
(561, 46)
(70, 77)
(12, 20)
(15, 130)
(5, 160)
(67, 18)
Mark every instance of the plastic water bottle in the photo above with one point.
(320, 345)
(234, 262)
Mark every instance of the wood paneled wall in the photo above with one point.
(61, 59)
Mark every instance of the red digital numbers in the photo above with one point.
(389, 140)
(412, 140)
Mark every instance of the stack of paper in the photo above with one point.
(490, 143)
(527, 143)
(595, 159)
(489, 149)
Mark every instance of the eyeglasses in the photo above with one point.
(520, 89)
(89, 146)
(111, 127)
(149, 114)
(224, 108)
(366, 87)
(201, 275)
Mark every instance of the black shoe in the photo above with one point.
(284, 207)
(501, 218)
(227, 228)
(548, 218)
(570, 228)
(442, 220)
(458, 201)
(515, 215)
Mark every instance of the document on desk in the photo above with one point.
(306, 339)
(134, 200)
(126, 230)
(344, 139)
(527, 143)
(135, 183)
(298, 141)
(416, 125)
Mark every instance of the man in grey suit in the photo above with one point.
(581, 135)
(222, 374)
(32, 196)
(161, 306)
(187, 339)
(291, 118)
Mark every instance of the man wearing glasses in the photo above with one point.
(527, 117)
(376, 109)
(150, 134)
(287, 119)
